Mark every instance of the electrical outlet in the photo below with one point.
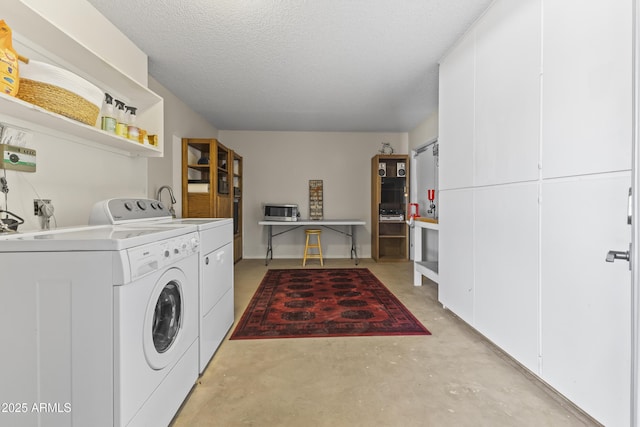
(37, 204)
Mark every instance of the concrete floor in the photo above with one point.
(454, 377)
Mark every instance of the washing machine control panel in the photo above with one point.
(148, 258)
(122, 211)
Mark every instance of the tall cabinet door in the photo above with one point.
(456, 125)
(507, 93)
(455, 253)
(586, 301)
(586, 161)
(586, 107)
(506, 268)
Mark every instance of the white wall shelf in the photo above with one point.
(38, 38)
(41, 118)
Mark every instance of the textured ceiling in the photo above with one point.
(306, 65)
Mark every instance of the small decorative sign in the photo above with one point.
(315, 199)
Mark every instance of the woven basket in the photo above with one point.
(58, 100)
(61, 91)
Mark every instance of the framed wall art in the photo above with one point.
(315, 199)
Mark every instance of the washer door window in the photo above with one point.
(164, 319)
(167, 317)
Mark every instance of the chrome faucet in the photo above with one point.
(173, 199)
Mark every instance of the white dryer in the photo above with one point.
(104, 325)
(216, 296)
(216, 282)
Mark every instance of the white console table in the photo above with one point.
(429, 269)
(326, 223)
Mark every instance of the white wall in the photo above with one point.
(83, 22)
(180, 122)
(424, 132)
(277, 169)
(74, 175)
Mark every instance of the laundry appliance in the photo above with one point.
(100, 325)
(216, 296)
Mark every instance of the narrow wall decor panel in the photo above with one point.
(586, 302)
(506, 267)
(587, 87)
(508, 43)
(455, 263)
(456, 117)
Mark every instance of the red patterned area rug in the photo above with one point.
(324, 303)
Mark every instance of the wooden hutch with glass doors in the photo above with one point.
(212, 184)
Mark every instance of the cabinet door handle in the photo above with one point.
(630, 207)
(623, 255)
(206, 261)
(614, 255)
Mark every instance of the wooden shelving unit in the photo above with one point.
(237, 207)
(212, 184)
(389, 191)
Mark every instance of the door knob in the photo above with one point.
(625, 255)
(614, 255)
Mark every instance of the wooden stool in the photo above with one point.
(307, 246)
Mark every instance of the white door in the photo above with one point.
(631, 254)
(634, 209)
(586, 172)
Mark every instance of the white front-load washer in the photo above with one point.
(104, 325)
(157, 326)
(216, 295)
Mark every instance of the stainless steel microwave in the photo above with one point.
(279, 212)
